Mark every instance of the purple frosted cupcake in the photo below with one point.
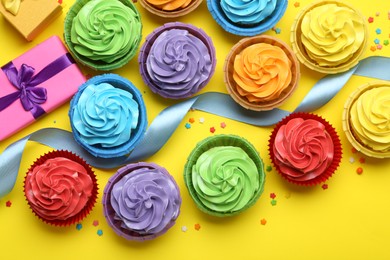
(141, 201)
(177, 60)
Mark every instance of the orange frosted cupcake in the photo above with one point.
(366, 119)
(261, 72)
(170, 8)
(329, 36)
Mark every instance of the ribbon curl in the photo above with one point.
(12, 6)
(168, 120)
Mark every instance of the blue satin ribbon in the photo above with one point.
(26, 84)
(168, 120)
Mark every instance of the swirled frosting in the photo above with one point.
(225, 178)
(178, 63)
(58, 189)
(247, 11)
(332, 34)
(370, 118)
(303, 149)
(105, 115)
(169, 5)
(145, 200)
(105, 30)
(262, 71)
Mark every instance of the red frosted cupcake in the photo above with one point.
(305, 149)
(60, 188)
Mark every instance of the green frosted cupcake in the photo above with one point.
(224, 175)
(103, 34)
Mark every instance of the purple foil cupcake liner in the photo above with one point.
(146, 48)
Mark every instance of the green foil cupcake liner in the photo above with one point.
(216, 141)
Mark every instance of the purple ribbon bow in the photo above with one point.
(26, 84)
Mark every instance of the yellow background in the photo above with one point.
(349, 220)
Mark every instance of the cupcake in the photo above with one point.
(170, 8)
(60, 188)
(108, 116)
(329, 36)
(366, 119)
(247, 17)
(103, 34)
(305, 149)
(177, 60)
(224, 175)
(261, 72)
(141, 201)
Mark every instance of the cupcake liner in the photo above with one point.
(215, 141)
(96, 65)
(336, 142)
(92, 200)
(109, 211)
(299, 49)
(136, 136)
(231, 84)
(242, 30)
(352, 138)
(171, 14)
(145, 49)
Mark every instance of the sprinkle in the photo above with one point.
(263, 221)
(8, 203)
(324, 186)
(95, 223)
(359, 170)
(223, 125)
(386, 42)
(268, 168)
(353, 150)
(370, 19)
(373, 48)
(297, 4)
(212, 129)
(201, 120)
(60, 2)
(184, 228)
(188, 125)
(378, 31)
(362, 160)
(79, 226)
(273, 202)
(278, 30)
(379, 47)
(377, 13)
(191, 120)
(99, 232)
(272, 195)
(54, 121)
(351, 159)
(376, 41)
(197, 226)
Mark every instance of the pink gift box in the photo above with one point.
(36, 83)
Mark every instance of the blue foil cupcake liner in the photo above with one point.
(246, 30)
(136, 135)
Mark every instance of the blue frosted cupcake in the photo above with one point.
(108, 116)
(247, 17)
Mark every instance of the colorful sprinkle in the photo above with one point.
(359, 170)
(278, 30)
(223, 125)
(373, 48)
(297, 4)
(60, 1)
(79, 226)
(184, 228)
(201, 120)
(377, 13)
(188, 125)
(197, 226)
(353, 150)
(95, 223)
(273, 202)
(376, 41)
(268, 168)
(370, 19)
(386, 42)
(379, 47)
(191, 120)
(378, 31)
(8, 204)
(324, 186)
(362, 160)
(351, 159)
(272, 195)
(99, 232)
(263, 221)
(212, 129)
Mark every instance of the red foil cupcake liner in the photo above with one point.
(336, 142)
(91, 201)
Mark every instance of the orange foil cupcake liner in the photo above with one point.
(170, 14)
(92, 199)
(336, 142)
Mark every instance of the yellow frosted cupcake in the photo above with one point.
(366, 119)
(329, 36)
(261, 72)
(170, 8)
